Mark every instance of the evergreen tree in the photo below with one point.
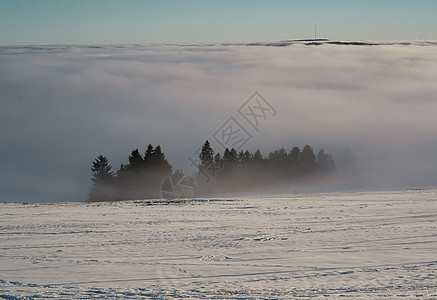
(234, 157)
(217, 158)
(308, 160)
(143, 176)
(246, 158)
(101, 171)
(121, 172)
(136, 161)
(206, 155)
(295, 156)
(325, 162)
(207, 168)
(218, 162)
(102, 178)
(161, 163)
(149, 157)
(240, 158)
(258, 157)
(278, 157)
(228, 159)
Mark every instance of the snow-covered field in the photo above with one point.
(360, 244)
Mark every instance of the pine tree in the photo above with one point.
(103, 180)
(230, 158)
(206, 155)
(218, 161)
(149, 157)
(295, 156)
(308, 160)
(246, 158)
(258, 157)
(162, 164)
(325, 162)
(234, 157)
(136, 161)
(101, 171)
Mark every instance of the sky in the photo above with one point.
(30, 22)
(117, 75)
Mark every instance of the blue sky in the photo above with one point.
(141, 21)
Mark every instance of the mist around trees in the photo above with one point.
(230, 171)
(140, 178)
(243, 171)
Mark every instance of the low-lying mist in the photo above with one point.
(61, 106)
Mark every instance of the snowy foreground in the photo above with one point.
(361, 244)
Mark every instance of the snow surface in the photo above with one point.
(352, 244)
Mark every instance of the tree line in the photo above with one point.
(246, 171)
(142, 177)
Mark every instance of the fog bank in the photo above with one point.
(61, 106)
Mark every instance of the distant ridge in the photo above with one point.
(60, 48)
(305, 40)
(317, 42)
(287, 42)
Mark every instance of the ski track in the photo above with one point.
(351, 244)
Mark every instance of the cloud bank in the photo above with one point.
(61, 106)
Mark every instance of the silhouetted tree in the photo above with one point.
(295, 156)
(278, 158)
(278, 165)
(207, 169)
(149, 157)
(143, 176)
(258, 157)
(234, 157)
(230, 159)
(103, 180)
(295, 162)
(308, 160)
(245, 158)
(206, 155)
(162, 164)
(136, 161)
(325, 162)
(218, 161)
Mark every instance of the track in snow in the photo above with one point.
(361, 244)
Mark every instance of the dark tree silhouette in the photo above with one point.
(161, 163)
(218, 161)
(206, 155)
(103, 180)
(295, 156)
(242, 171)
(136, 161)
(258, 157)
(325, 162)
(230, 159)
(144, 176)
(140, 178)
(149, 157)
(309, 163)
